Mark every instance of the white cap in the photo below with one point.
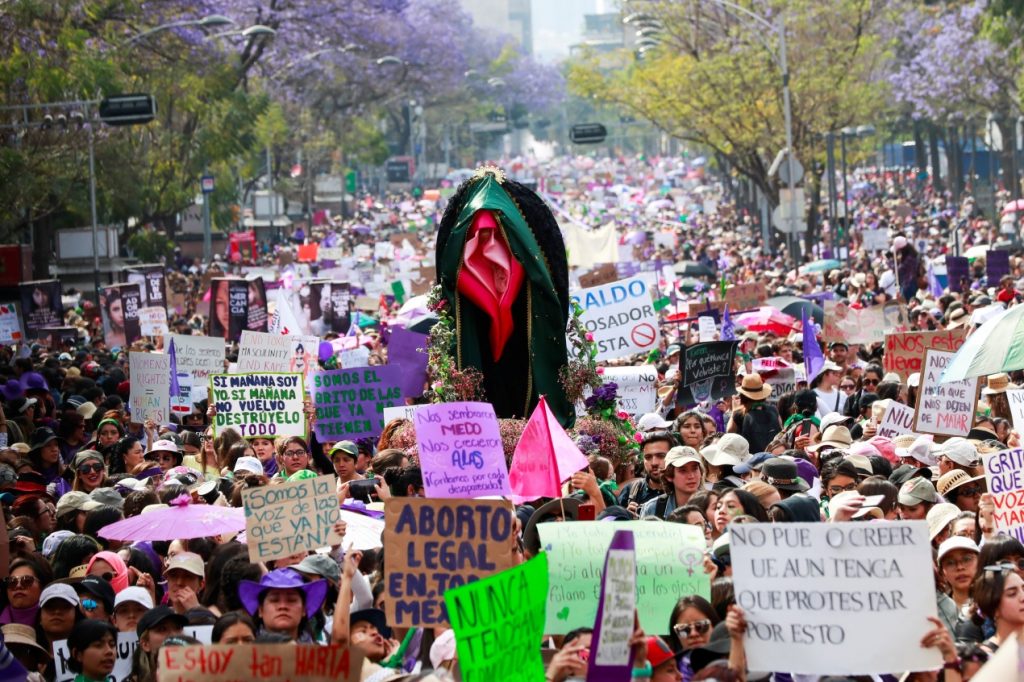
(59, 591)
(139, 595)
(249, 464)
(443, 648)
(957, 542)
(651, 420)
(960, 451)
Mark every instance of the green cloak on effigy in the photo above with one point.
(502, 268)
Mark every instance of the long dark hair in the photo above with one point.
(691, 601)
(232, 618)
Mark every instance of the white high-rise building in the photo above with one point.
(511, 17)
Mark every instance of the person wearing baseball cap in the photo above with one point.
(652, 421)
(916, 498)
(683, 477)
(153, 628)
(186, 576)
(130, 605)
(344, 456)
(58, 612)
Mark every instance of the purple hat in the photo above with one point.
(12, 390)
(34, 381)
(806, 471)
(282, 579)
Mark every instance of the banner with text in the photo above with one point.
(460, 450)
(350, 403)
(707, 371)
(281, 520)
(944, 409)
(620, 316)
(904, 351)
(264, 662)
(1004, 474)
(150, 376)
(258, 405)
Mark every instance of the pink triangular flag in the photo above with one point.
(544, 457)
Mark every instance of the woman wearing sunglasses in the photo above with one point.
(999, 594)
(19, 602)
(691, 621)
(89, 470)
(110, 567)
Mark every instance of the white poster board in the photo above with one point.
(620, 316)
(150, 375)
(1016, 400)
(817, 596)
(898, 419)
(944, 409)
(261, 352)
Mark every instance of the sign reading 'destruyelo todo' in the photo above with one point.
(669, 559)
(621, 317)
(818, 595)
(944, 409)
(258, 404)
(460, 450)
(1004, 473)
(498, 622)
(441, 544)
(281, 520)
(350, 402)
(264, 662)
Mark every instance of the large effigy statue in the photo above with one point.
(502, 271)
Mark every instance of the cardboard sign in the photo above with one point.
(200, 356)
(817, 596)
(150, 376)
(637, 394)
(264, 662)
(10, 327)
(1016, 400)
(746, 296)
(621, 317)
(127, 643)
(944, 409)
(708, 372)
(505, 609)
(259, 405)
(460, 450)
(611, 657)
(350, 403)
(605, 273)
(898, 419)
(1004, 474)
(863, 326)
(153, 321)
(281, 520)
(669, 559)
(706, 328)
(260, 352)
(357, 357)
(445, 544)
(904, 351)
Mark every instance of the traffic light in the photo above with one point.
(126, 110)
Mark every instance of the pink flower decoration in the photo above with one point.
(590, 337)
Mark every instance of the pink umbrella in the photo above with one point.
(179, 521)
(766, 319)
(1014, 206)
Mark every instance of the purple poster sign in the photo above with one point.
(350, 402)
(958, 271)
(460, 450)
(611, 657)
(404, 351)
(997, 266)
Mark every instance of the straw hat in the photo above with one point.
(753, 387)
(957, 318)
(997, 383)
(951, 480)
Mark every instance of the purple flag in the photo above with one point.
(173, 355)
(814, 359)
(728, 328)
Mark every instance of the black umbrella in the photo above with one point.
(794, 305)
(692, 268)
(423, 323)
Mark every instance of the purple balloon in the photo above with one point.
(326, 351)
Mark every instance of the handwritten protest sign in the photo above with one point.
(944, 409)
(706, 328)
(817, 596)
(460, 450)
(636, 394)
(362, 532)
(1016, 400)
(611, 657)
(264, 404)
(1004, 474)
(898, 419)
(669, 559)
(620, 316)
(281, 520)
(746, 296)
(498, 622)
(707, 370)
(357, 357)
(904, 351)
(127, 643)
(153, 321)
(400, 412)
(150, 375)
(262, 352)
(865, 325)
(350, 402)
(10, 326)
(201, 356)
(264, 662)
(446, 544)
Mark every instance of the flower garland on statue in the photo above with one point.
(449, 384)
(606, 430)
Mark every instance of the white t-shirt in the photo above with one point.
(830, 401)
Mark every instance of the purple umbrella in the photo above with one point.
(179, 521)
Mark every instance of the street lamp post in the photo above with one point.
(206, 22)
